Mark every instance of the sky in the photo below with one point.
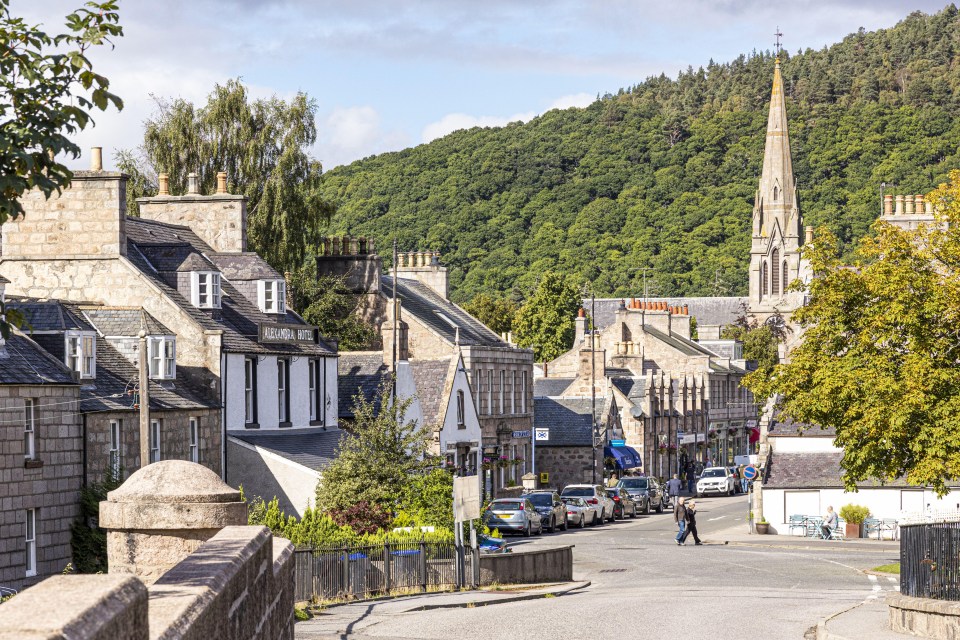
(389, 75)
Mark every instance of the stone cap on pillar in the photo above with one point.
(173, 494)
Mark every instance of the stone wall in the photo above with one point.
(568, 465)
(220, 219)
(527, 567)
(174, 439)
(50, 483)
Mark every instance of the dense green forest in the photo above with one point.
(661, 176)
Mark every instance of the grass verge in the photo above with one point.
(888, 568)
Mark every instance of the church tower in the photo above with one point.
(775, 248)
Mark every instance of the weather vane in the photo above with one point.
(777, 43)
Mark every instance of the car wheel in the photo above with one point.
(526, 532)
(646, 507)
(553, 525)
(634, 514)
(540, 529)
(583, 521)
(659, 508)
(566, 525)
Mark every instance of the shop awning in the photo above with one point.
(625, 457)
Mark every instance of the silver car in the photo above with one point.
(579, 513)
(513, 514)
(592, 494)
(717, 480)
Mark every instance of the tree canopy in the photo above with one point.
(879, 359)
(662, 175)
(545, 322)
(262, 145)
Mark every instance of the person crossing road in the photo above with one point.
(680, 517)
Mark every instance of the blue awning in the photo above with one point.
(625, 457)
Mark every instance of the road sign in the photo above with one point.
(541, 434)
(466, 498)
(618, 443)
(750, 473)
(521, 434)
(544, 478)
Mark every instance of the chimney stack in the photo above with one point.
(808, 239)
(192, 187)
(96, 159)
(222, 182)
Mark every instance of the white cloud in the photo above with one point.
(350, 133)
(573, 100)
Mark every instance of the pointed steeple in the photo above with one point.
(777, 186)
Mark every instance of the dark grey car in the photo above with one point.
(550, 508)
(646, 492)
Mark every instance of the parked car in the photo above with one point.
(579, 513)
(550, 508)
(623, 504)
(592, 494)
(513, 514)
(717, 480)
(646, 492)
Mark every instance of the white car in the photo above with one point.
(717, 480)
(594, 495)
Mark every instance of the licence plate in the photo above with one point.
(503, 516)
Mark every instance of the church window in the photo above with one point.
(775, 273)
(786, 279)
(776, 193)
(763, 279)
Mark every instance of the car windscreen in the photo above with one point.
(634, 483)
(581, 492)
(714, 473)
(509, 505)
(541, 499)
(574, 501)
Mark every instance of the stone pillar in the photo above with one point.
(162, 513)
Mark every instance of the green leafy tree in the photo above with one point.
(263, 146)
(88, 541)
(546, 322)
(428, 498)
(761, 341)
(47, 90)
(327, 303)
(879, 357)
(496, 313)
(377, 461)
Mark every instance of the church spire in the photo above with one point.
(777, 186)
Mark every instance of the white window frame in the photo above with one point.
(461, 411)
(155, 427)
(115, 446)
(523, 392)
(503, 377)
(489, 392)
(162, 357)
(283, 383)
(513, 391)
(272, 296)
(315, 400)
(210, 299)
(30, 539)
(80, 353)
(250, 390)
(194, 439)
(29, 429)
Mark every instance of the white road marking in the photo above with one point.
(872, 577)
(717, 518)
(877, 587)
(891, 579)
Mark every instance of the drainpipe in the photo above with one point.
(223, 416)
(84, 480)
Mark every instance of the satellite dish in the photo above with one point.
(636, 412)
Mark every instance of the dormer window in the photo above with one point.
(162, 356)
(205, 289)
(272, 296)
(80, 353)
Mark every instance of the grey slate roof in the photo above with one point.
(23, 361)
(124, 321)
(174, 257)
(568, 419)
(430, 376)
(359, 373)
(313, 448)
(813, 470)
(4, 280)
(244, 266)
(423, 303)
(48, 315)
(707, 310)
(550, 387)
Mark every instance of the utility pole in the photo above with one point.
(396, 274)
(144, 403)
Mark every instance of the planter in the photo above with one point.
(853, 530)
(763, 528)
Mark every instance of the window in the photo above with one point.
(81, 353)
(776, 194)
(501, 409)
(477, 384)
(250, 390)
(786, 278)
(461, 410)
(316, 394)
(775, 272)
(763, 279)
(206, 289)
(489, 391)
(115, 448)
(155, 441)
(513, 392)
(163, 361)
(283, 391)
(31, 540)
(194, 439)
(29, 416)
(272, 296)
(523, 392)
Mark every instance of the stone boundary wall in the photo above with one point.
(527, 567)
(237, 585)
(924, 617)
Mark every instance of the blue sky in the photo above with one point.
(388, 75)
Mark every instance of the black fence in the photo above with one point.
(333, 573)
(930, 560)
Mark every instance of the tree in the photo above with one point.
(47, 89)
(545, 322)
(496, 313)
(879, 360)
(375, 463)
(263, 146)
(327, 303)
(761, 341)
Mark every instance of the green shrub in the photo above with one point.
(854, 513)
(88, 541)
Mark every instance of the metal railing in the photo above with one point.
(358, 572)
(930, 560)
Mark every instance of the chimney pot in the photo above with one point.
(192, 185)
(222, 182)
(164, 185)
(918, 203)
(929, 206)
(808, 239)
(909, 203)
(899, 208)
(888, 204)
(686, 308)
(96, 159)
(581, 313)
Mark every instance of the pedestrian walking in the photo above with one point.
(680, 517)
(691, 476)
(674, 486)
(612, 481)
(829, 523)
(744, 483)
(691, 521)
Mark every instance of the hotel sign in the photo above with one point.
(276, 333)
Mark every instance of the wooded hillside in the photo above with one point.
(662, 175)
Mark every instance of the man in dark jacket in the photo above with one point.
(680, 517)
(691, 517)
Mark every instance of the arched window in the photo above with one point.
(786, 278)
(776, 193)
(775, 272)
(763, 279)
